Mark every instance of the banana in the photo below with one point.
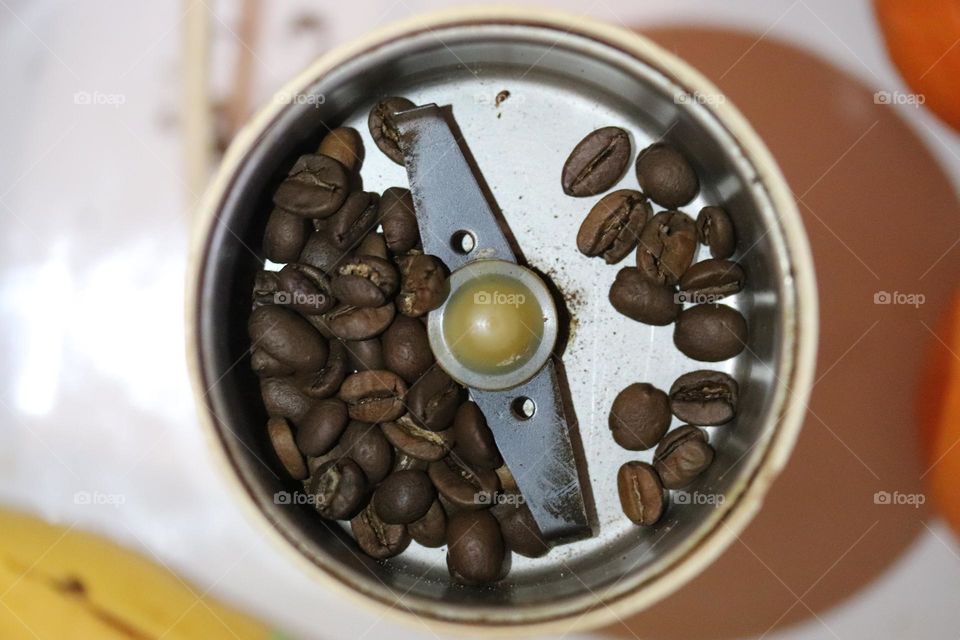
(63, 584)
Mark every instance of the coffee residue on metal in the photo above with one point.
(501, 97)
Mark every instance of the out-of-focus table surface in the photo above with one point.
(96, 399)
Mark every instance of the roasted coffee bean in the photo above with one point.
(365, 281)
(475, 552)
(399, 220)
(475, 442)
(285, 236)
(716, 231)
(326, 381)
(384, 129)
(433, 400)
(710, 332)
(612, 227)
(320, 428)
(597, 162)
(344, 145)
(639, 417)
(640, 298)
(364, 444)
(265, 287)
(520, 531)
(404, 496)
(431, 529)
(365, 355)
(281, 438)
(359, 323)
(286, 336)
(666, 177)
(463, 486)
(283, 398)
(419, 443)
(668, 243)
(642, 496)
(339, 489)
(423, 284)
(373, 244)
(305, 289)
(406, 348)
(683, 455)
(711, 280)
(356, 218)
(705, 398)
(321, 252)
(266, 366)
(376, 538)
(316, 187)
(374, 396)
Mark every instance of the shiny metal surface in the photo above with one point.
(561, 85)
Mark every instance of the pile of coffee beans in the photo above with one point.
(379, 435)
(665, 287)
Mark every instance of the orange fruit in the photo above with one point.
(939, 413)
(923, 38)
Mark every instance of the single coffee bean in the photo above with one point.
(344, 145)
(285, 236)
(365, 355)
(305, 289)
(716, 231)
(405, 461)
(711, 280)
(406, 348)
(640, 298)
(407, 437)
(431, 529)
(666, 177)
(475, 549)
(642, 496)
(399, 220)
(283, 398)
(404, 496)
(376, 538)
(326, 381)
(320, 428)
(433, 400)
(356, 218)
(365, 281)
(639, 417)
(315, 188)
(339, 489)
(612, 227)
(423, 284)
(705, 398)
(374, 396)
(463, 486)
(384, 130)
(321, 252)
(597, 162)
(364, 444)
(682, 456)
(359, 323)
(520, 531)
(266, 366)
(265, 287)
(710, 332)
(667, 245)
(286, 336)
(474, 439)
(373, 244)
(281, 438)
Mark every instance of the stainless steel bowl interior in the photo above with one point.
(561, 86)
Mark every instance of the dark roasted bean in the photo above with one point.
(320, 428)
(520, 531)
(433, 400)
(612, 228)
(305, 289)
(642, 496)
(423, 284)
(326, 381)
(281, 438)
(639, 417)
(640, 298)
(365, 281)
(285, 236)
(399, 220)
(359, 323)
(286, 336)
(711, 280)
(374, 396)
(682, 456)
(344, 145)
(384, 130)
(597, 162)
(339, 489)
(475, 552)
(666, 177)
(365, 355)
(404, 496)
(704, 398)
(475, 442)
(315, 188)
(406, 348)
(283, 398)
(431, 529)
(376, 538)
(422, 444)
(710, 332)
(365, 445)
(668, 243)
(462, 485)
(716, 231)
